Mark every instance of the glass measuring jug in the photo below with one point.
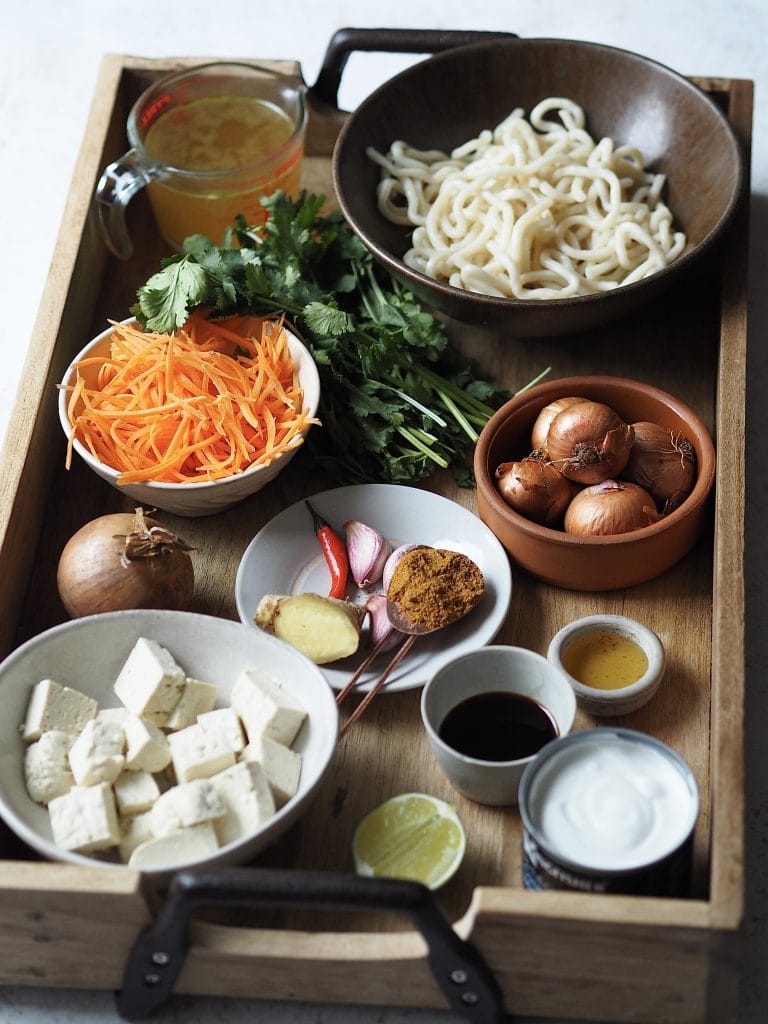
(207, 143)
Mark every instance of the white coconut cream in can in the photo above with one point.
(608, 810)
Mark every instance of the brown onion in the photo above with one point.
(609, 508)
(541, 423)
(535, 489)
(124, 560)
(662, 462)
(589, 442)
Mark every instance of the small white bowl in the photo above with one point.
(193, 499)
(626, 699)
(492, 670)
(87, 654)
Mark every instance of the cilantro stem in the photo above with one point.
(416, 404)
(417, 443)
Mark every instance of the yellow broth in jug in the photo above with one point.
(220, 133)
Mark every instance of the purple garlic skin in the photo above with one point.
(379, 624)
(367, 551)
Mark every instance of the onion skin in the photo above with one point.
(535, 489)
(662, 462)
(610, 508)
(589, 442)
(542, 422)
(94, 576)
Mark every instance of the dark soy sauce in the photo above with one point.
(498, 727)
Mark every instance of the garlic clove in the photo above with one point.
(379, 624)
(367, 551)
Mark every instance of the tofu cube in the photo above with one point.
(227, 722)
(247, 799)
(190, 844)
(84, 820)
(197, 754)
(134, 831)
(119, 715)
(265, 709)
(280, 764)
(46, 766)
(146, 746)
(150, 682)
(56, 708)
(187, 804)
(97, 753)
(197, 697)
(135, 792)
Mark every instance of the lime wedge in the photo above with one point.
(413, 836)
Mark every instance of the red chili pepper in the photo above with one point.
(335, 552)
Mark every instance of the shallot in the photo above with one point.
(663, 462)
(534, 488)
(124, 560)
(541, 424)
(589, 442)
(609, 508)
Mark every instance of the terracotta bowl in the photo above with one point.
(447, 99)
(593, 563)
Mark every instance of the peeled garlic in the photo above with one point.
(367, 551)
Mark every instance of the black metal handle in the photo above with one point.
(158, 954)
(346, 41)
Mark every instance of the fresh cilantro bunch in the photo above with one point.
(397, 401)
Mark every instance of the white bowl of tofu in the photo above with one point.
(160, 740)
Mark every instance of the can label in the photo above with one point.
(669, 877)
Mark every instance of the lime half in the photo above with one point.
(413, 836)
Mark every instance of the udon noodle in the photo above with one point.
(533, 209)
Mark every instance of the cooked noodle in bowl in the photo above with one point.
(533, 209)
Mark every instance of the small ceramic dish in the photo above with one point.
(607, 649)
(488, 712)
(192, 499)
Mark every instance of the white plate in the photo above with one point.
(285, 558)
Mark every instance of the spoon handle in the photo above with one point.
(343, 694)
(400, 653)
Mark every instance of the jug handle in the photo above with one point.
(345, 41)
(121, 180)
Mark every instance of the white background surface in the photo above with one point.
(49, 56)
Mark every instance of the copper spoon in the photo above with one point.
(402, 624)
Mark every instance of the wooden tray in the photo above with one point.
(564, 955)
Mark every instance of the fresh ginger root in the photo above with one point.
(323, 628)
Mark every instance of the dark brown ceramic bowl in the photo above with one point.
(447, 99)
(593, 563)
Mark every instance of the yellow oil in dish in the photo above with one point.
(220, 133)
(605, 661)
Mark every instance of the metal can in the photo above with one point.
(608, 810)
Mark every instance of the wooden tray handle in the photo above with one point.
(158, 953)
(386, 40)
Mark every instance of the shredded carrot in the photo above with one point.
(203, 403)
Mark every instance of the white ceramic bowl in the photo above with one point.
(194, 499)
(492, 670)
(87, 654)
(626, 699)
